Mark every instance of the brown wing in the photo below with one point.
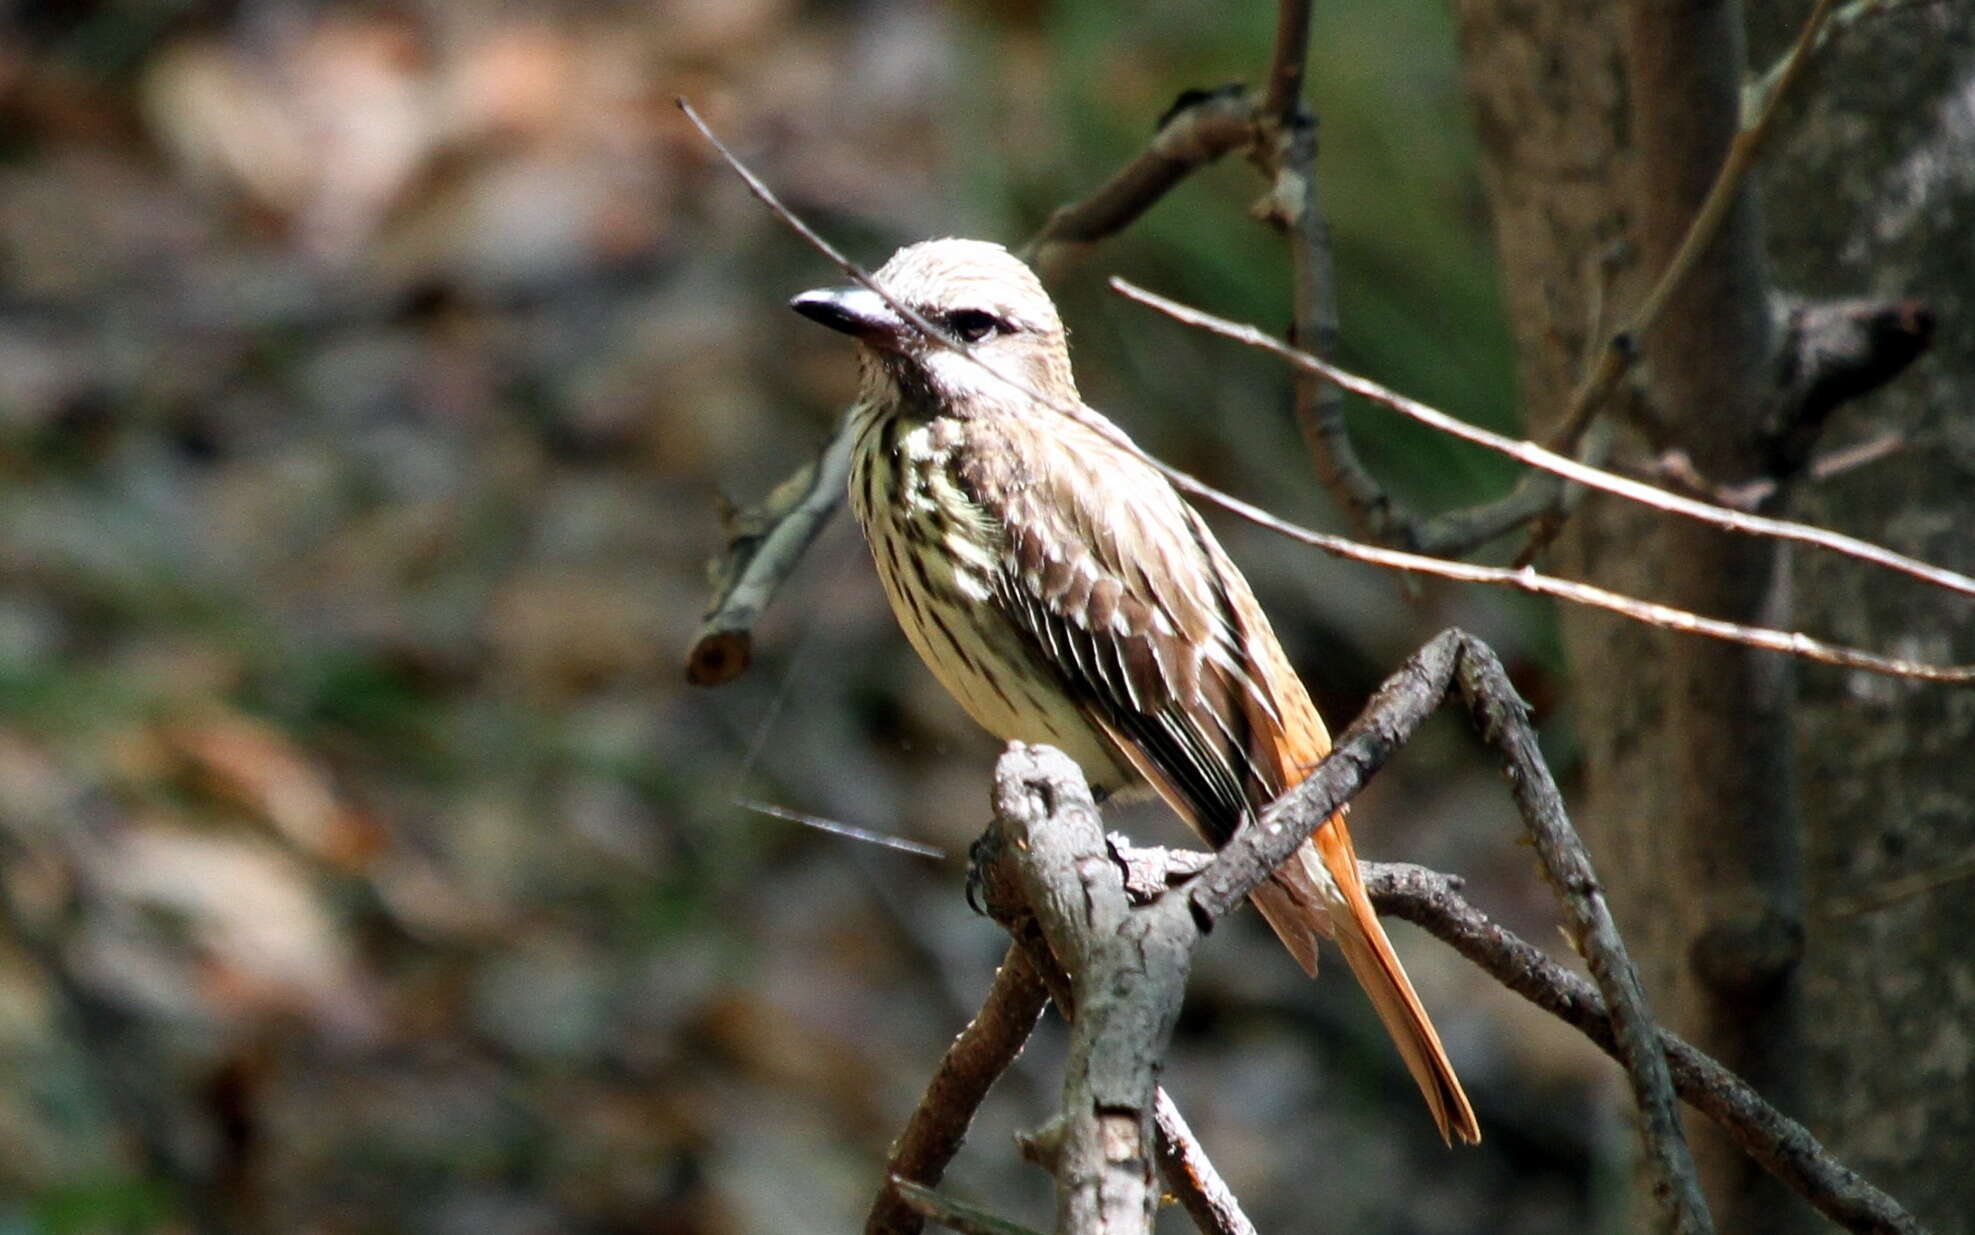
(1125, 596)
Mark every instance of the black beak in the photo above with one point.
(857, 311)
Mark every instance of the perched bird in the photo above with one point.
(1064, 593)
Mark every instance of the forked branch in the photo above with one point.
(1051, 879)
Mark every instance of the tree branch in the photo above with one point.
(1127, 972)
(1454, 660)
(1202, 1192)
(764, 544)
(1782, 1146)
(974, 1061)
(1190, 1175)
(1061, 889)
(1433, 901)
(1199, 128)
(1839, 373)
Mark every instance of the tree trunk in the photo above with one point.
(1874, 192)
(1601, 129)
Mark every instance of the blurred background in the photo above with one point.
(369, 377)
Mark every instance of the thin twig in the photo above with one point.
(1503, 721)
(766, 196)
(1526, 579)
(868, 836)
(1456, 660)
(1762, 86)
(971, 1065)
(764, 544)
(1547, 460)
(1620, 348)
(1522, 579)
(1783, 1147)
(1197, 130)
(1285, 152)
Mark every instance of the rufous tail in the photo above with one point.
(1319, 889)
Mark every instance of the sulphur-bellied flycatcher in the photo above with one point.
(1064, 593)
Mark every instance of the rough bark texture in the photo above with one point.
(1688, 804)
(1873, 191)
(1717, 870)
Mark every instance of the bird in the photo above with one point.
(1064, 593)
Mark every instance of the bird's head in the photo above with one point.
(981, 295)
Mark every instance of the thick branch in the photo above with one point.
(1127, 972)
(1190, 1175)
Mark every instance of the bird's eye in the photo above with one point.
(973, 325)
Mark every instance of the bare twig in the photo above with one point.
(1286, 154)
(1783, 1147)
(975, 1060)
(1556, 464)
(1484, 524)
(1205, 1196)
(1454, 660)
(1201, 127)
(766, 196)
(1282, 96)
(835, 827)
(1285, 151)
(1526, 579)
(1503, 721)
(1620, 348)
(764, 543)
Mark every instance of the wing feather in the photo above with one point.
(1129, 602)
